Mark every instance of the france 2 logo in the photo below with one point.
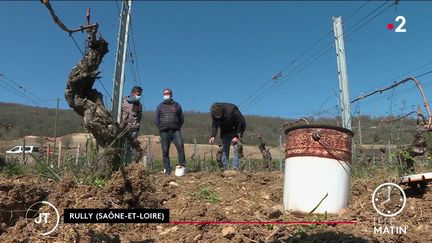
(400, 28)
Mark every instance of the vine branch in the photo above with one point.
(425, 102)
(57, 20)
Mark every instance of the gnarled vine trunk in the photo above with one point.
(417, 148)
(88, 103)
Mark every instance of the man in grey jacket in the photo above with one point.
(131, 112)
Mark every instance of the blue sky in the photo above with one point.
(227, 51)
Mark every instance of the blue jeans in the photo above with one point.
(130, 144)
(226, 143)
(176, 138)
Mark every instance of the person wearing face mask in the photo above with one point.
(169, 120)
(232, 124)
(131, 112)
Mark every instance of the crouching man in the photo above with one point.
(232, 124)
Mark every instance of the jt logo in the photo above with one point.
(45, 216)
(44, 220)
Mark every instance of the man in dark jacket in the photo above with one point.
(169, 119)
(131, 112)
(232, 124)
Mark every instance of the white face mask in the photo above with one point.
(137, 97)
(166, 97)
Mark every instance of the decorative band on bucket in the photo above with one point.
(319, 140)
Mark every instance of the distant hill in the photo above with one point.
(29, 120)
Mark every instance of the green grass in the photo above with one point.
(207, 195)
(192, 166)
(269, 226)
(301, 231)
(13, 169)
(99, 182)
(392, 170)
(361, 171)
(158, 165)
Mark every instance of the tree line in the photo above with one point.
(37, 121)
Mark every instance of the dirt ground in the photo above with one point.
(204, 196)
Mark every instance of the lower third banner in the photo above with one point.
(135, 215)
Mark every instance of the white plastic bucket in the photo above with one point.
(180, 170)
(309, 179)
(317, 169)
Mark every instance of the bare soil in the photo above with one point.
(204, 196)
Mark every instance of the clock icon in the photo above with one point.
(389, 199)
